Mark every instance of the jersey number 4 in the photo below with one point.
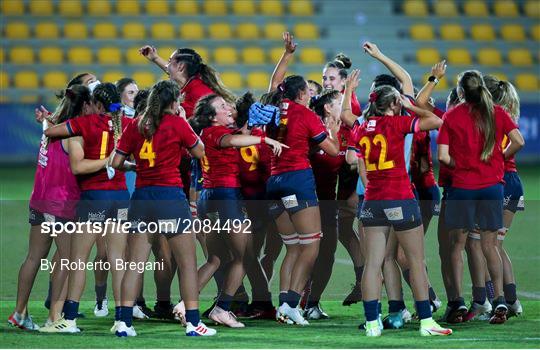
(383, 164)
(148, 153)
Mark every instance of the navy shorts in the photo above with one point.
(196, 175)
(36, 217)
(162, 205)
(226, 201)
(513, 192)
(429, 200)
(100, 205)
(291, 191)
(471, 209)
(401, 214)
(359, 208)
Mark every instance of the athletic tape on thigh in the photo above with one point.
(474, 235)
(501, 234)
(307, 238)
(290, 239)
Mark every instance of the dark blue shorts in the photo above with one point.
(471, 209)
(359, 208)
(513, 192)
(226, 201)
(162, 205)
(400, 214)
(100, 205)
(196, 175)
(429, 200)
(36, 217)
(291, 191)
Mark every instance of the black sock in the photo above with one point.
(101, 292)
(49, 293)
(164, 304)
(510, 293)
(479, 295)
(282, 297)
(490, 289)
(224, 301)
(432, 295)
(293, 298)
(312, 303)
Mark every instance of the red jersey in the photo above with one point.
(254, 167)
(194, 89)
(445, 173)
(421, 162)
(326, 167)
(465, 143)
(98, 135)
(220, 166)
(380, 142)
(158, 159)
(355, 105)
(509, 164)
(303, 126)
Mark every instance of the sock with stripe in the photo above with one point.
(490, 289)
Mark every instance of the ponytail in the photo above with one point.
(504, 94)
(108, 95)
(161, 96)
(380, 99)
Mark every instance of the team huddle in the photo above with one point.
(302, 167)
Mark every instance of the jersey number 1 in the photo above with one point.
(147, 153)
(384, 164)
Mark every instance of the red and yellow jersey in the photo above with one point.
(510, 163)
(220, 166)
(254, 167)
(193, 91)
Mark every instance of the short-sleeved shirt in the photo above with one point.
(98, 135)
(193, 91)
(303, 127)
(510, 163)
(465, 143)
(421, 162)
(158, 158)
(220, 165)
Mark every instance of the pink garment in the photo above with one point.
(56, 191)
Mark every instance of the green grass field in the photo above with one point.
(340, 331)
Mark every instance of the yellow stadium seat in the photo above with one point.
(422, 31)
(2, 55)
(54, 80)
(459, 57)
(220, 31)
(306, 31)
(452, 32)
(513, 32)
(274, 30)
(41, 7)
(231, 79)
(191, 31)
(520, 57)
(535, 32)
(99, 7)
(483, 32)
(51, 55)
(489, 57)
(157, 7)
(26, 80)
(476, 8)
(134, 57)
(21, 55)
(428, 56)
(4, 80)
(128, 7)
(203, 52)
(301, 8)
(527, 82)
(75, 30)
(247, 31)
(415, 8)
(311, 55)
(499, 75)
(215, 7)
(271, 8)
(163, 31)
(187, 7)
(275, 55)
(258, 80)
(253, 55)
(445, 8)
(532, 8)
(505, 8)
(112, 75)
(165, 51)
(46, 30)
(133, 30)
(144, 79)
(17, 30)
(315, 76)
(109, 55)
(12, 7)
(80, 55)
(28, 98)
(243, 7)
(442, 85)
(105, 30)
(70, 8)
(225, 55)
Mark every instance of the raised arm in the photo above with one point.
(351, 84)
(422, 99)
(57, 131)
(399, 72)
(151, 54)
(248, 140)
(428, 120)
(80, 165)
(279, 72)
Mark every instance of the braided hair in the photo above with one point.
(162, 95)
(107, 94)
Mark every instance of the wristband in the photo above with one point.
(433, 79)
(263, 140)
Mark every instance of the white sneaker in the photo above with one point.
(200, 331)
(315, 313)
(227, 318)
(138, 313)
(480, 312)
(179, 312)
(114, 327)
(515, 309)
(373, 329)
(406, 314)
(429, 327)
(103, 310)
(286, 313)
(61, 326)
(26, 323)
(124, 331)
